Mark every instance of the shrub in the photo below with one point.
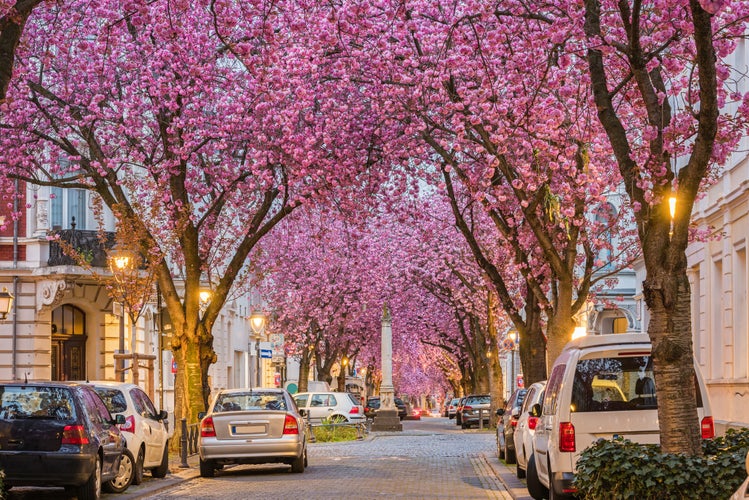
(621, 469)
(333, 432)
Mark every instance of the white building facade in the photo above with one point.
(63, 324)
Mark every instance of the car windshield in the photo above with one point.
(248, 401)
(18, 402)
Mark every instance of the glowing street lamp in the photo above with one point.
(257, 323)
(120, 263)
(6, 303)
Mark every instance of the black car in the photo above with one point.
(58, 434)
(373, 404)
(508, 420)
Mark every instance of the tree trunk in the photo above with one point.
(670, 331)
(304, 366)
(560, 324)
(532, 343)
(188, 393)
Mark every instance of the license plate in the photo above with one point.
(248, 429)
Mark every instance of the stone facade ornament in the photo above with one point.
(49, 293)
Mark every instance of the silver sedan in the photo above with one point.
(252, 426)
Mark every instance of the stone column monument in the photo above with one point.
(386, 418)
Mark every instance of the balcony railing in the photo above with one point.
(86, 243)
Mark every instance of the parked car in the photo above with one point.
(58, 434)
(508, 420)
(475, 405)
(335, 406)
(525, 429)
(252, 426)
(373, 404)
(451, 407)
(580, 405)
(458, 409)
(144, 430)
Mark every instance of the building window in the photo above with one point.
(67, 205)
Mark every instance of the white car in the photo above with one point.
(526, 428)
(600, 386)
(333, 406)
(144, 429)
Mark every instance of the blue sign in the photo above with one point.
(266, 353)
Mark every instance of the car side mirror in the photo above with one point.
(536, 410)
(163, 415)
(303, 412)
(118, 419)
(201, 415)
(500, 412)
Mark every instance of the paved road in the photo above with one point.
(432, 459)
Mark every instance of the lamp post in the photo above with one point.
(513, 336)
(6, 303)
(120, 262)
(257, 323)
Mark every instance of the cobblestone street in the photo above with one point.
(431, 458)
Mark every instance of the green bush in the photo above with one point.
(335, 432)
(621, 469)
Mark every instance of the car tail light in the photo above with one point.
(290, 426)
(566, 437)
(467, 408)
(513, 423)
(206, 428)
(532, 423)
(708, 428)
(74, 434)
(129, 425)
(354, 410)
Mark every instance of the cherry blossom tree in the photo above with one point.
(661, 86)
(13, 16)
(202, 123)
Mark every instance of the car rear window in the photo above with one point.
(616, 384)
(353, 399)
(248, 401)
(113, 398)
(17, 402)
(478, 400)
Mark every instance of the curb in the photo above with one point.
(506, 474)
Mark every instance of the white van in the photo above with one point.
(601, 386)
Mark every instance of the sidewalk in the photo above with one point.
(506, 474)
(176, 475)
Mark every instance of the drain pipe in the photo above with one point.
(15, 281)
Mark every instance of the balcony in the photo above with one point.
(86, 243)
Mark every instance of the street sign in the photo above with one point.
(266, 353)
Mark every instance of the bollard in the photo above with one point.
(481, 418)
(183, 445)
(312, 438)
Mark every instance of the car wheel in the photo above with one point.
(207, 469)
(537, 490)
(124, 477)
(509, 454)
(91, 490)
(500, 449)
(520, 473)
(297, 466)
(138, 476)
(163, 467)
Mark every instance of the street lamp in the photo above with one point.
(257, 323)
(6, 302)
(119, 263)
